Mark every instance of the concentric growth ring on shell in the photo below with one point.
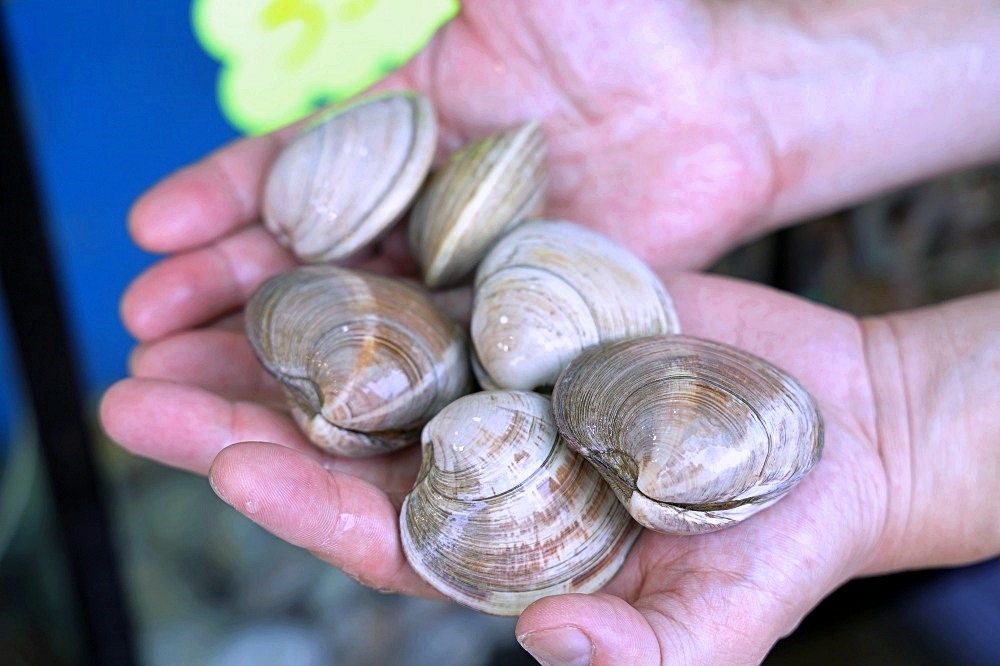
(504, 513)
(693, 435)
(344, 180)
(365, 360)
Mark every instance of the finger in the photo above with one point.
(724, 598)
(206, 200)
(568, 629)
(597, 629)
(199, 286)
(218, 360)
(342, 520)
(186, 426)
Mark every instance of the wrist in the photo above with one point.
(935, 375)
(860, 99)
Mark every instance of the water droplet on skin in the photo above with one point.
(504, 319)
(249, 507)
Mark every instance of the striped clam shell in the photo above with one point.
(693, 435)
(504, 513)
(348, 176)
(550, 289)
(486, 189)
(364, 360)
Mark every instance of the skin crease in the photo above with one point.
(660, 137)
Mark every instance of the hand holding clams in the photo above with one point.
(689, 435)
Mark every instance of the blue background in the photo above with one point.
(114, 97)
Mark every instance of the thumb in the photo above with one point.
(605, 630)
(582, 629)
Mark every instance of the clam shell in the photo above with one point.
(550, 289)
(692, 435)
(485, 189)
(345, 179)
(503, 513)
(364, 360)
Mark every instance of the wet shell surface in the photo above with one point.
(364, 360)
(345, 179)
(550, 289)
(692, 435)
(485, 189)
(504, 513)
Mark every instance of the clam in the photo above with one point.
(348, 176)
(550, 289)
(364, 360)
(486, 188)
(504, 513)
(692, 435)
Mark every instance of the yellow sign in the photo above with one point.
(281, 59)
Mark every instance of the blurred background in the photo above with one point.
(112, 96)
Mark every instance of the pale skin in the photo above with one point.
(681, 129)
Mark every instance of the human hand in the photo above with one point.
(869, 506)
(494, 66)
(653, 140)
(874, 503)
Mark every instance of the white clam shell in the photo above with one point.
(503, 513)
(345, 179)
(550, 289)
(364, 360)
(485, 189)
(693, 435)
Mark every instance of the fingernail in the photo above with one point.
(216, 489)
(563, 646)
